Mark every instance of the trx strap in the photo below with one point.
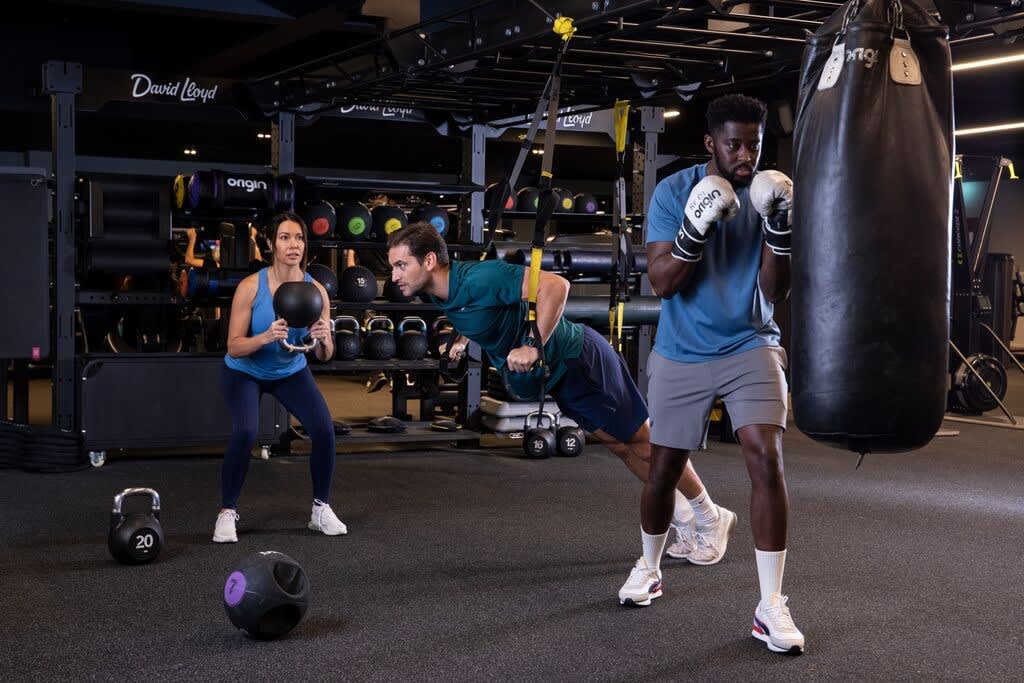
(563, 26)
(622, 243)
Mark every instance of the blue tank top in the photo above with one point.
(271, 361)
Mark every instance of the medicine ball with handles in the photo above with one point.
(354, 221)
(379, 338)
(412, 338)
(266, 595)
(321, 219)
(386, 220)
(135, 538)
(539, 441)
(358, 285)
(347, 338)
(301, 305)
(428, 213)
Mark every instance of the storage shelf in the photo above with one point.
(107, 298)
(383, 185)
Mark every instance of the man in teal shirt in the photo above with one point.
(486, 301)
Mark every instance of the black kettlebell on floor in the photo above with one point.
(571, 441)
(136, 538)
(412, 343)
(379, 340)
(539, 441)
(442, 332)
(266, 595)
(347, 340)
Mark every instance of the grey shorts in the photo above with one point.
(680, 396)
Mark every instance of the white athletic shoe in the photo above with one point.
(642, 586)
(685, 539)
(224, 531)
(323, 519)
(710, 542)
(774, 626)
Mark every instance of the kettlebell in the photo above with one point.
(347, 340)
(571, 441)
(136, 538)
(412, 343)
(539, 441)
(442, 332)
(379, 339)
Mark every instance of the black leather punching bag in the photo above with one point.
(873, 170)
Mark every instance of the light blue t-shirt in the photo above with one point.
(270, 362)
(485, 303)
(721, 311)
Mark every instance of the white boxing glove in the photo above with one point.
(712, 199)
(771, 193)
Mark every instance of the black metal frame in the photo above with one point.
(490, 59)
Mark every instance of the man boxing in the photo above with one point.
(718, 239)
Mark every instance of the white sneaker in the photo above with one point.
(642, 586)
(774, 626)
(224, 531)
(323, 519)
(711, 541)
(685, 541)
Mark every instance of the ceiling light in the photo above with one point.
(671, 113)
(263, 136)
(190, 151)
(989, 129)
(993, 61)
(537, 151)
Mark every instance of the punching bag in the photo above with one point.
(873, 173)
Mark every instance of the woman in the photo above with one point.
(256, 363)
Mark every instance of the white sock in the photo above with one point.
(654, 546)
(683, 513)
(770, 565)
(704, 509)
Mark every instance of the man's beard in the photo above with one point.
(730, 176)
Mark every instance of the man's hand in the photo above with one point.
(456, 350)
(522, 358)
(771, 193)
(712, 199)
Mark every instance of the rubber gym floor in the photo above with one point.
(470, 565)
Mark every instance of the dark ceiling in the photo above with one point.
(330, 52)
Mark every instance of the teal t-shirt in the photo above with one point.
(485, 303)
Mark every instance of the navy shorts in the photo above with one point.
(598, 392)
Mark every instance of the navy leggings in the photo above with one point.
(301, 397)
